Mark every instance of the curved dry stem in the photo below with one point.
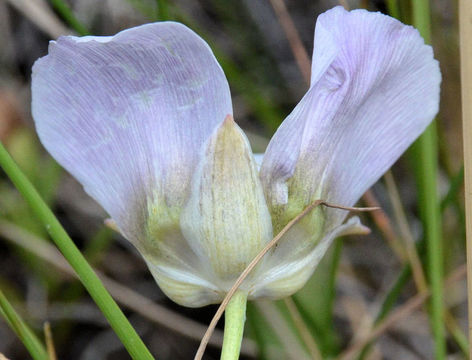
(406, 233)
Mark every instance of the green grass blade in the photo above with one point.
(263, 335)
(427, 170)
(66, 13)
(389, 302)
(430, 212)
(315, 301)
(458, 335)
(92, 283)
(163, 10)
(27, 337)
(455, 185)
(393, 8)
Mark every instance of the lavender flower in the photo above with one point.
(143, 120)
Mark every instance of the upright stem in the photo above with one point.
(427, 168)
(235, 317)
(16, 323)
(128, 336)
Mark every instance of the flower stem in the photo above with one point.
(235, 316)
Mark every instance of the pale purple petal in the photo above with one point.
(375, 88)
(128, 114)
(288, 266)
(223, 226)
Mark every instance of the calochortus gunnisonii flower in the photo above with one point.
(143, 120)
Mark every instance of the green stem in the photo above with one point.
(432, 222)
(163, 10)
(235, 316)
(92, 283)
(64, 10)
(27, 337)
(393, 8)
(428, 162)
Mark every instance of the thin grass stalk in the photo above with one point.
(465, 31)
(92, 283)
(41, 16)
(393, 8)
(408, 239)
(427, 170)
(399, 314)
(389, 302)
(260, 331)
(65, 11)
(384, 224)
(394, 293)
(414, 258)
(283, 331)
(455, 186)
(460, 338)
(302, 329)
(27, 337)
(49, 341)
(294, 40)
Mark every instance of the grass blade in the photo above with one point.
(427, 162)
(315, 301)
(92, 283)
(27, 337)
(64, 10)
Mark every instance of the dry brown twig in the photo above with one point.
(465, 31)
(298, 50)
(384, 224)
(49, 341)
(405, 231)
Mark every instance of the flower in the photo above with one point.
(143, 120)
